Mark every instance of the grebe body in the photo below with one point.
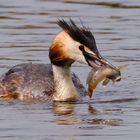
(32, 81)
(55, 81)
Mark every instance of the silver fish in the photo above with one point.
(104, 74)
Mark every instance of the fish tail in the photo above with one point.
(90, 92)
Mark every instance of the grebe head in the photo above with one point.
(75, 44)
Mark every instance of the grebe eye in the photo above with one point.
(81, 47)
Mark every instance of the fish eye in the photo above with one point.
(81, 47)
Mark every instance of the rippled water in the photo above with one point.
(26, 30)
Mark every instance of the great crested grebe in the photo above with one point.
(55, 81)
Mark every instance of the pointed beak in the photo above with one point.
(96, 61)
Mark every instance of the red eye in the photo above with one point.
(81, 47)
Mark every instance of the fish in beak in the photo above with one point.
(88, 46)
(95, 60)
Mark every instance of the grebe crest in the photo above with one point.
(55, 81)
(66, 49)
(72, 44)
(66, 46)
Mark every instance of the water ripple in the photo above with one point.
(107, 4)
(26, 31)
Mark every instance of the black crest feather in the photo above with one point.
(79, 34)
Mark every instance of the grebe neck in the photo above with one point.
(64, 89)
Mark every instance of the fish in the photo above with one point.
(105, 74)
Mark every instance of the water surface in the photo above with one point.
(26, 31)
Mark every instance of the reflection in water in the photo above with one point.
(26, 30)
(110, 122)
(63, 108)
(99, 121)
(67, 110)
(92, 110)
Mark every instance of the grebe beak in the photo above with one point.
(95, 60)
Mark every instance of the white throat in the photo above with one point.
(64, 89)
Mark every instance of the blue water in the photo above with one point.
(26, 31)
